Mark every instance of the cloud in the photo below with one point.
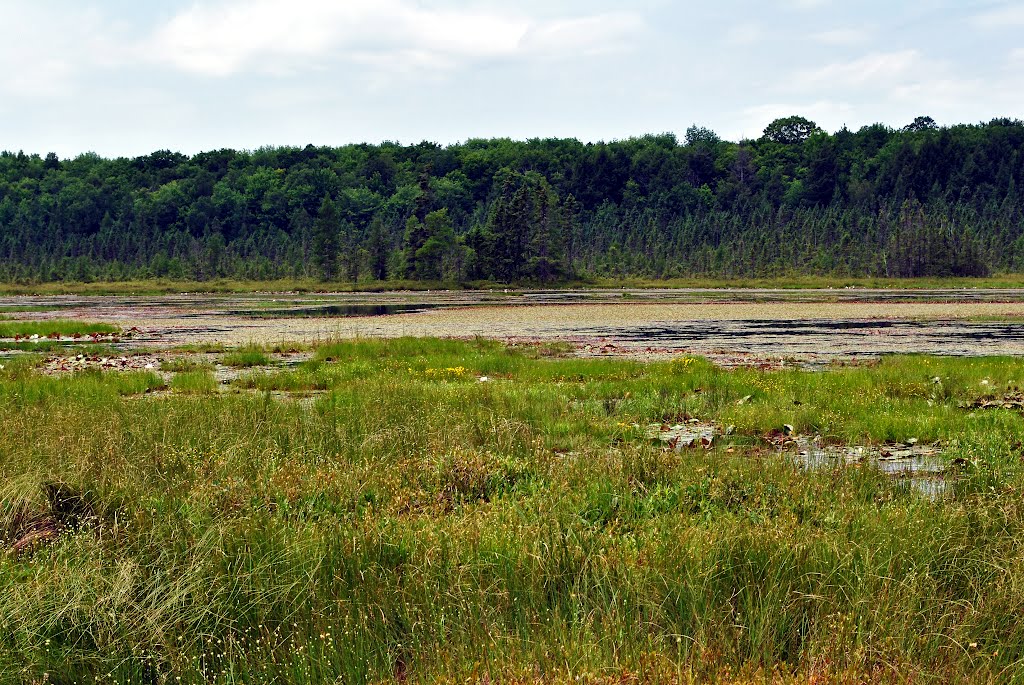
(43, 51)
(877, 69)
(830, 115)
(227, 37)
(895, 85)
(597, 34)
(806, 4)
(743, 34)
(1010, 16)
(841, 37)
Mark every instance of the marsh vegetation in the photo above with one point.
(409, 520)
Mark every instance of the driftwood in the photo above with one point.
(67, 509)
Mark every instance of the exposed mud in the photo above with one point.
(748, 327)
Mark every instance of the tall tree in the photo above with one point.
(326, 229)
(377, 249)
(435, 259)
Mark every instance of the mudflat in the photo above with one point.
(800, 324)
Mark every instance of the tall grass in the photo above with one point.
(246, 356)
(434, 527)
(54, 327)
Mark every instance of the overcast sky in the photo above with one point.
(126, 77)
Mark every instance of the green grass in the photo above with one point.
(246, 356)
(184, 363)
(20, 308)
(194, 383)
(413, 522)
(54, 327)
(201, 348)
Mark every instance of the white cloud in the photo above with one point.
(841, 37)
(830, 115)
(806, 4)
(228, 37)
(876, 70)
(587, 35)
(743, 34)
(1010, 16)
(43, 50)
(905, 79)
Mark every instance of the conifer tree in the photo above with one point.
(325, 240)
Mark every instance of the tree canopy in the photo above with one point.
(921, 199)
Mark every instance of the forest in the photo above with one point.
(920, 200)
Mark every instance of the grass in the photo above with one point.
(246, 356)
(194, 383)
(415, 523)
(202, 348)
(21, 308)
(185, 363)
(54, 328)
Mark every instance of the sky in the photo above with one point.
(128, 77)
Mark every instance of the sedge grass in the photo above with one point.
(199, 382)
(432, 527)
(55, 328)
(246, 356)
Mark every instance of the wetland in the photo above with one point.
(512, 487)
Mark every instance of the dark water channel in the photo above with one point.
(327, 311)
(835, 337)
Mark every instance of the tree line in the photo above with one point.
(920, 200)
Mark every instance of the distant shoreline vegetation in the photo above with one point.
(878, 203)
(162, 286)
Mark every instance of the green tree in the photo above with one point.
(377, 249)
(415, 237)
(790, 130)
(351, 253)
(921, 124)
(436, 259)
(325, 240)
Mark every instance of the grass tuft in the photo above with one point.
(246, 356)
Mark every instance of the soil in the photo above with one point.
(732, 327)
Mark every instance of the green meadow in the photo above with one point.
(54, 328)
(420, 510)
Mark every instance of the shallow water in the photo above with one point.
(336, 310)
(771, 324)
(922, 466)
(838, 337)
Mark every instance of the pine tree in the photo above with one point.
(377, 250)
(415, 237)
(325, 240)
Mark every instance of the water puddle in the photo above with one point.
(328, 311)
(921, 465)
(825, 337)
(693, 433)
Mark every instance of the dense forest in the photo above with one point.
(914, 201)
